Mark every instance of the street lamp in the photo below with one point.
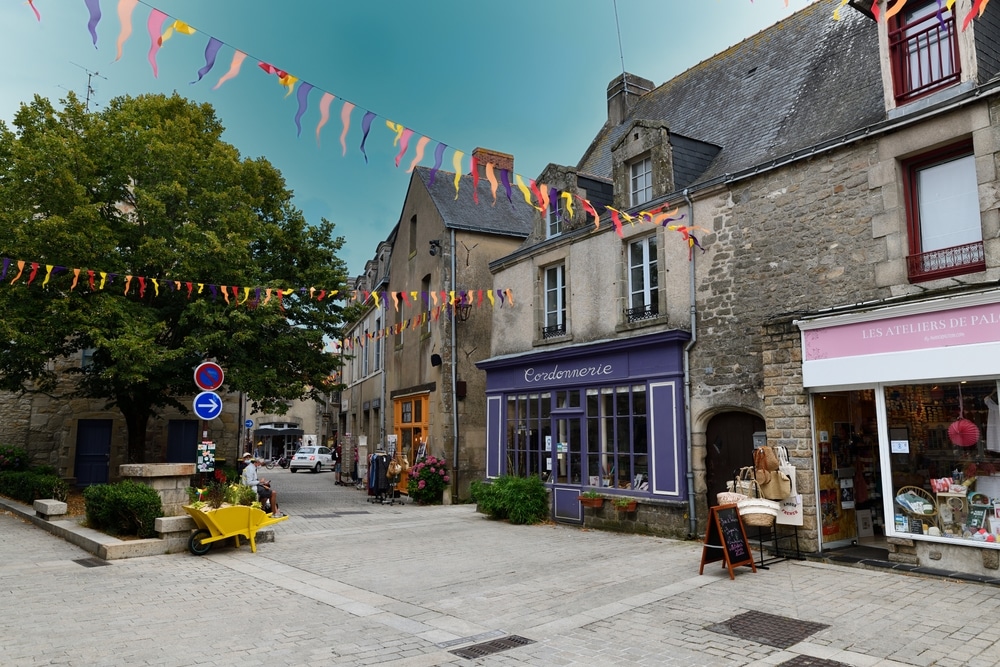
(462, 311)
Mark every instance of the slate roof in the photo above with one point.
(506, 218)
(801, 82)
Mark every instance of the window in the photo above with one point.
(554, 218)
(641, 185)
(555, 302)
(413, 236)
(425, 288)
(87, 357)
(378, 344)
(643, 303)
(617, 441)
(366, 346)
(923, 51)
(942, 202)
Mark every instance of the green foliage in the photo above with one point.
(240, 494)
(520, 500)
(427, 480)
(123, 508)
(28, 486)
(591, 494)
(215, 495)
(13, 458)
(146, 187)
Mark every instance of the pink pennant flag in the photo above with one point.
(404, 143)
(234, 69)
(324, 113)
(155, 26)
(475, 178)
(345, 118)
(419, 153)
(589, 208)
(125, 9)
(35, 9)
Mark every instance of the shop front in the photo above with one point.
(605, 416)
(906, 429)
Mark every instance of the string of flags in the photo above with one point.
(27, 273)
(978, 7)
(161, 27)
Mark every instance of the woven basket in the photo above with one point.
(758, 512)
(730, 497)
(744, 484)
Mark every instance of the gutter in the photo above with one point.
(454, 379)
(688, 419)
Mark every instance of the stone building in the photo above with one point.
(840, 178)
(412, 385)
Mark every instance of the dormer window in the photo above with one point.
(640, 181)
(553, 219)
(923, 48)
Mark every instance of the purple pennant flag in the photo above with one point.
(505, 179)
(6, 264)
(366, 124)
(94, 6)
(211, 50)
(438, 156)
(211, 288)
(500, 294)
(303, 96)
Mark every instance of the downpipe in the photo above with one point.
(688, 419)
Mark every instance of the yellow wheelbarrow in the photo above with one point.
(232, 521)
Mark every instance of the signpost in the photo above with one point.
(248, 423)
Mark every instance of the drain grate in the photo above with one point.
(809, 661)
(768, 629)
(91, 562)
(492, 646)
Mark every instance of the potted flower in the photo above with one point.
(591, 499)
(427, 480)
(624, 503)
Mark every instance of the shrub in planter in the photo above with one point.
(520, 500)
(427, 480)
(123, 508)
(28, 486)
(13, 458)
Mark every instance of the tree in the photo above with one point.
(147, 187)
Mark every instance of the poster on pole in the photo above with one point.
(206, 456)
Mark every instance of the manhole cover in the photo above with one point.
(493, 646)
(91, 562)
(776, 631)
(809, 661)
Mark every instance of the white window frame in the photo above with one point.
(378, 345)
(555, 290)
(640, 181)
(553, 218)
(643, 270)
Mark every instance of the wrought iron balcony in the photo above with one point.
(554, 331)
(946, 262)
(640, 313)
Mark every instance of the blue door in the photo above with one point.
(565, 447)
(93, 451)
(182, 441)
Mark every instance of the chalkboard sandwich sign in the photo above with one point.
(726, 540)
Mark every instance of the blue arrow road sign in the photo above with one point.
(248, 423)
(207, 405)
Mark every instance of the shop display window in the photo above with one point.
(944, 458)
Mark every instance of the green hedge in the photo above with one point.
(29, 486)
(520, 500)
(123, 508)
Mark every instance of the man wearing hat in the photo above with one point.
(262, 486)
(243, 463)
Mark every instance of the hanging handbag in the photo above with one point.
(743, 483)
(773, 484)
(765, 458)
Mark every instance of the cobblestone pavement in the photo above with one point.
(348, 582)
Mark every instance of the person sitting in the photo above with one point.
(263, 487)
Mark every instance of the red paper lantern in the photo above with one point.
(963, 433)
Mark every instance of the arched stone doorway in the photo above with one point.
(729, 446)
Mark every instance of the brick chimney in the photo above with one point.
(623, 91)
(496, 158)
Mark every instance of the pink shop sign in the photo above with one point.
(947, 328)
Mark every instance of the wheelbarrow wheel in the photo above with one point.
(195, 544)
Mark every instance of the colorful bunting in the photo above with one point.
(303, 98)
(366, 125)
(154, 24)
(234, 69)
(211, 51)
(94, 9)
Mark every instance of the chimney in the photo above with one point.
(623, 92)
(496, 158)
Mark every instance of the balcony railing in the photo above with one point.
(640, 313)
(946, 262)
(554, 331)
(924, 56)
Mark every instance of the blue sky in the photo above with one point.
(525, 77)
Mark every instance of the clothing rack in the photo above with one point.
(381, 487)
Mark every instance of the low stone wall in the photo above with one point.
(169, 480)
(660, 518)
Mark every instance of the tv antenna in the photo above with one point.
(90, 89)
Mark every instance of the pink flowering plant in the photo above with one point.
(427, 480)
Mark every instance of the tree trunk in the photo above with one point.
(136, 419)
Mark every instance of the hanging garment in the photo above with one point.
(992, 426)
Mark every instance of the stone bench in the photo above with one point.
(50, 509)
